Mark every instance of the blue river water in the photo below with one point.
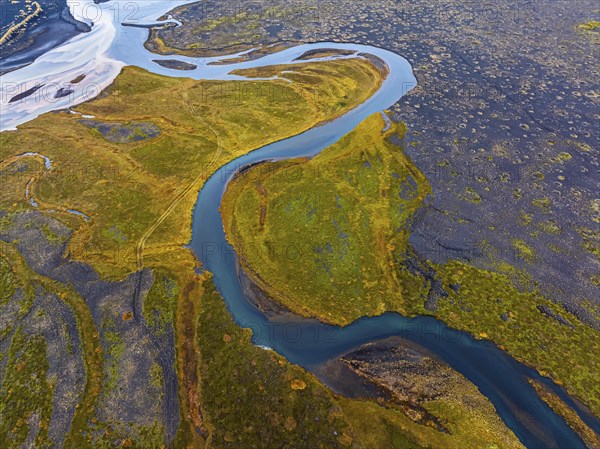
(308, 343)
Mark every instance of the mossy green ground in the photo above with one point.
(592, 25)
(335, 220)
(161, 301)
(126, 187)
(26, 392)
(570, 355)
(247, 392)
(590, 438)
(328, 238)
(221, 28)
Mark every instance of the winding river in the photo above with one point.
(309, 343)
(102, 53)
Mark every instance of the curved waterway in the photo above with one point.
(102, 53)
(309, 343)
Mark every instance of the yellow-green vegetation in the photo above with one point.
(590, 240)
(471, 196)
(336, 220)
(591, 439)
(161, 301)
(8, 281)
(126, 188)
(523, 249)
(543, 204)
(378, 427)
(26, 395)
(254, 398)
(488, 305)
(332, 244)
(592, 25)
(139, 196)
(222, 28)
(14, 274)
(550, 227)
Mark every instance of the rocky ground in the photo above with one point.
(410, 376)
(124, 132)
(402, 375)
(139, 390)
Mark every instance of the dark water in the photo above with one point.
(309, 343)
(51, 28)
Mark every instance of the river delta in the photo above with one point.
(432, 191)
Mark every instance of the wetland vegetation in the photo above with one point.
(122, 186)
(314, 220)
(96, 355)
